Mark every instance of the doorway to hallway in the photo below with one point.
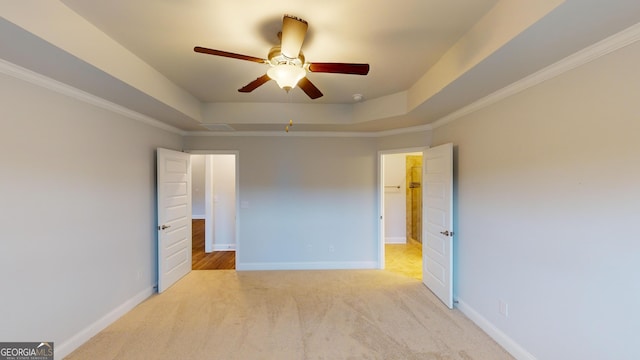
(214, 223)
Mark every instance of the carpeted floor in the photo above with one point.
(351, 314)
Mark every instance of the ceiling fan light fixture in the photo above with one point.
(286, 75)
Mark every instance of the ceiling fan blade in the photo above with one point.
(340, 68)
(203, 50)
(255, 84)
(293, 33)
(311, 90)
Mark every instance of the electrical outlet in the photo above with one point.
(503, 308)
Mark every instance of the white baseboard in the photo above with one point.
(197, 217)
(69, 345)
(224, 247)
(515, 349)
(356, 265)
(395, 240)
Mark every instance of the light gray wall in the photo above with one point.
(405, 140)
(395, 200)
(197, 186)
(548, 209)
(224, 197)
(305, 202)
(78, 212)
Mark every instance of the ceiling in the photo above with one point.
(428, 58)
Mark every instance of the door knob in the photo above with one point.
(446, 233)
(164, 227)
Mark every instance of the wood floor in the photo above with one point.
(217, 260)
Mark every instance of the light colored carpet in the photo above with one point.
(351, 314)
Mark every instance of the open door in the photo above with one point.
(174, 217)
(437, 249)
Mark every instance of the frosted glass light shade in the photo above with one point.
(286, 75)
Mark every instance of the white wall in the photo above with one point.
(548, 209)
(78, 214)
(308, 202)
(197, 186)
(406, 140)
(395, 200)
(223, 184)
(224, 197)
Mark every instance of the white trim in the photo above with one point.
(224, 247)
(35, 78)
(282, 133)
(584, 56)
(411, 129)
(371, 134)
(209, 205)
(212, 152)
(68, 346)
(510, 345)
(32, 77)
(617, 41)
(327, 265)
(197, 217)
(395, 240)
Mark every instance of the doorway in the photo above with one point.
(214, 204)
(401, 218)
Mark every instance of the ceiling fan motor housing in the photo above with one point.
(276, 57)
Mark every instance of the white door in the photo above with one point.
(437, 250)
(174, 217)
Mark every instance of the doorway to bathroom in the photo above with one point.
(401, 196)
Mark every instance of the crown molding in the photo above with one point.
(371, 134)
(406, 130)
(35, 78)
(280, 133)
(593, 52)
(588, 54)
(617, 41)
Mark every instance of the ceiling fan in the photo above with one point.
(288, 66)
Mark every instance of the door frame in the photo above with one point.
(381, 214)
(237, 185)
